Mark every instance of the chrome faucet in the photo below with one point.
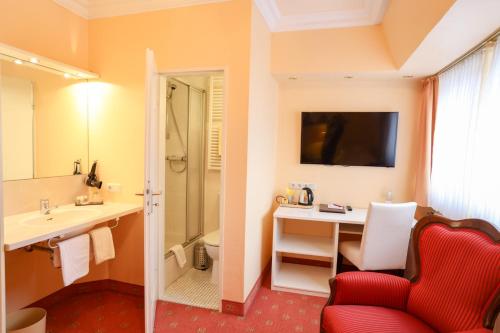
(44, 207)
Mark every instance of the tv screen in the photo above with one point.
(349, 138)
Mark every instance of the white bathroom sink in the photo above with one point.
(60, 216)
(64, 222)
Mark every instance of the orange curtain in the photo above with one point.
(425, 139)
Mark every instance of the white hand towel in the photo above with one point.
(180, 254)
(102, 243)
(74, 258)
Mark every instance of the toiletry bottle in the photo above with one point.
(289, 195)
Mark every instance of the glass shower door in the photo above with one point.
(184, 176)
(195, 164)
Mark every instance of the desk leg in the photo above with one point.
(335, 240)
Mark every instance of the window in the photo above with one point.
(465, 179)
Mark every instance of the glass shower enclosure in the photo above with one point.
(184, 165)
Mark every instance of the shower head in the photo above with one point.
(171, 88)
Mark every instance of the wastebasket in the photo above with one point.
(29, 320)
(200, 257)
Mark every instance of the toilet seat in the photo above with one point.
(212, 238)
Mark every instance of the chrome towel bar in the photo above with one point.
(52, 246)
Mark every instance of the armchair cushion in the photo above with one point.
(370, 319)
(369, 288)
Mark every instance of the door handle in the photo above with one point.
(142, 194)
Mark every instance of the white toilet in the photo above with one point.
(212, 245)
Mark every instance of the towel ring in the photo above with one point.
(49, 243)
(116, 223)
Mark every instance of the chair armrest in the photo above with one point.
(477, 330)
(369, 288)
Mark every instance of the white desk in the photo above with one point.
(305, 279)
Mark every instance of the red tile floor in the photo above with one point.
(271, 312)
(97, 312)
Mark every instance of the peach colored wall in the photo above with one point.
(329, 51)
(45, 28)
(128, 266)
(262, 129)
(354, 185)
(30, 276)
(407, 22)
(205, 36)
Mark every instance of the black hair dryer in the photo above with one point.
(306, 197)
(92, 180)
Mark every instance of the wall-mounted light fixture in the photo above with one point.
(21, 57)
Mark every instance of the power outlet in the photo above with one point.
(114, 187)
(301, 185)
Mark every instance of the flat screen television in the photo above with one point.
(349, 138)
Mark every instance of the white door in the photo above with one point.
(151, 194)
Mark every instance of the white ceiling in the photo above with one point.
(281, 15)
(90, 9)
(288, 15)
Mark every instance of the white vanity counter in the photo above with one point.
(65, 221)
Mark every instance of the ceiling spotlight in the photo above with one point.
(348, 77)
(18, 62)
(34, 60)
(407, 76)
(293, 78)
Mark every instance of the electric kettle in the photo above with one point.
(306, 197)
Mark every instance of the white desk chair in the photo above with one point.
(385, 239)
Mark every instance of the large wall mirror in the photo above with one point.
(45, 129)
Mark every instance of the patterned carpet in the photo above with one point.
(114, 312)
(97, 312)
(271, 312)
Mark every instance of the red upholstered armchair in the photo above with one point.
(456, 287)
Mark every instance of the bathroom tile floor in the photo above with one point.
(194, 288)
(272, 312)
(97, 312)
